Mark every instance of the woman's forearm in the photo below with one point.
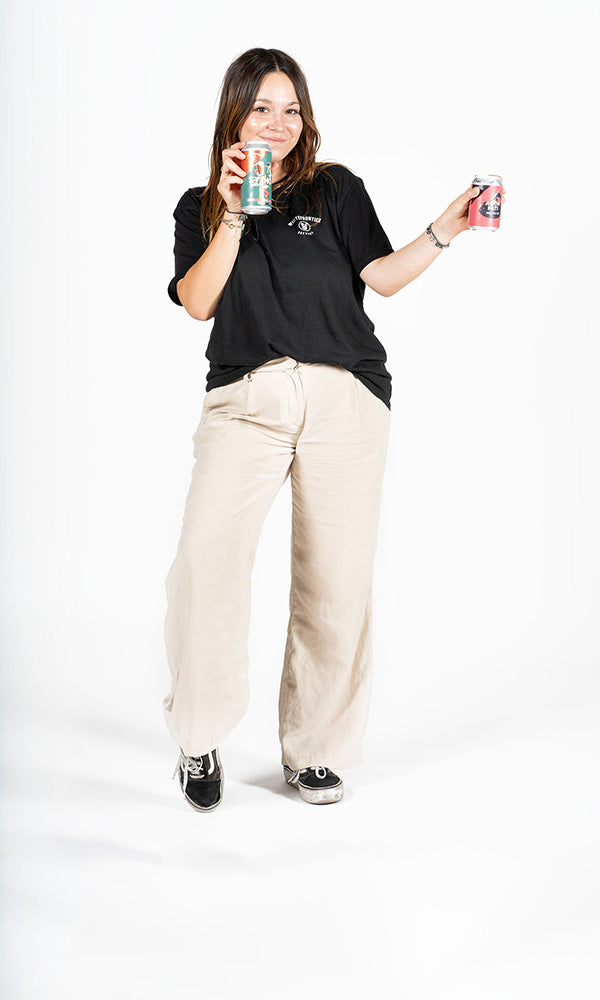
(388, 275)
(201, 288)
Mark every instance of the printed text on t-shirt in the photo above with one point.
(306, 224)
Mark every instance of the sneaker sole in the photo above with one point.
(321, 796)
(195, 805)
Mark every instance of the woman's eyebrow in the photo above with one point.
(265, 100)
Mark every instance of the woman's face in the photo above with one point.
(275, 118)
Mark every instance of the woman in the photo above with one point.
(297, 386)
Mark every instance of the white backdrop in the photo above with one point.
(485, 700)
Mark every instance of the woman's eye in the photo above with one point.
(261, 109)
(293, 111)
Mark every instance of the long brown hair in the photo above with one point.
(238, 94)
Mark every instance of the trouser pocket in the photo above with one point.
(232, 399)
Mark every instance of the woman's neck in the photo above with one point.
(277, 172)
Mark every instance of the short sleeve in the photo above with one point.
(362, 234)
(190, 243)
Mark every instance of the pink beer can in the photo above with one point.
(484, 210)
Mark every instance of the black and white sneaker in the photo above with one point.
(201, 779)
(316, 784)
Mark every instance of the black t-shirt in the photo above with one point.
(295, 288)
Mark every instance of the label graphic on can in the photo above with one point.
(484, 210)
(255, 192)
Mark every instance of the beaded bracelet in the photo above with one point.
(434, 238)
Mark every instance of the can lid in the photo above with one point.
(486, 178)
(256, 145)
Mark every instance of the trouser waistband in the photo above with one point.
(284, 363)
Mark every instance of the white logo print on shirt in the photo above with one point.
(306, 224)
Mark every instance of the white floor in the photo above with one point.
(457, 868)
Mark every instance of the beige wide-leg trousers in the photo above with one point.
(320, 424)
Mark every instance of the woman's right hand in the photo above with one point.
(232, 176)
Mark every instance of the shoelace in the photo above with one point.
(316, 768)
(194, 766)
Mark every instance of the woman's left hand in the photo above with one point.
(454, 219)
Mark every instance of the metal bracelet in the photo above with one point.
(434, 238)
(234, 225)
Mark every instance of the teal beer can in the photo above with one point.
(255, 192)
